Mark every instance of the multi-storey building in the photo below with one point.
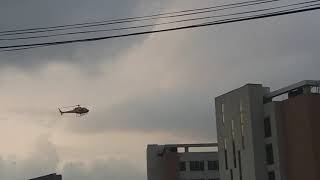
(260, 138)
(178, 162)
(49, 177)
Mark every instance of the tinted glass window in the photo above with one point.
(269, 151)
(213, 165)
(267, 127)
(183, 166)
(271, 175)
(196, 166)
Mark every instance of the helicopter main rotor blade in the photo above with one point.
(70, 106)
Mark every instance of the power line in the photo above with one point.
(231, 20)
(165, 30)
(134, 19)
(158, 24)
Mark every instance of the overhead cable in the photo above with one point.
(226, 21)
(135, 19)
(158, 24)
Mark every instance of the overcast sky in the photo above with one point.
(142, 90)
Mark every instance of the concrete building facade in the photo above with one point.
(263, 139)
(296, 136)
(177, 162)
(49, 177)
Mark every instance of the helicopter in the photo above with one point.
(78, 110)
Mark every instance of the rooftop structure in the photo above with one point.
(178, 161)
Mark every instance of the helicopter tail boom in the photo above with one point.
(60, 111)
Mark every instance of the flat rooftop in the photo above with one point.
(186, 145)
(302, 84)
(192, 145)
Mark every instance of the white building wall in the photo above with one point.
(264, 148)
(239, 117)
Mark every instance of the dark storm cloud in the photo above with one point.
(16, 14)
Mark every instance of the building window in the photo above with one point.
(226, 158)
(233, 144)
(173, 149)
(269, 154)
(232, 128)
(234, 154)
(225, 153)
(231, 174)
(213, 165)
(271, 175)
(196, 165)
(242, 123)
(242, 140)
(267, 127)
(225, 143)
(240, 166)
(183, 166)
(222, 111)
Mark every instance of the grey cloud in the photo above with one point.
(45, 160)
(208, 61)
(189, 114)
(29, 14)
(113, 169)
(275, 52)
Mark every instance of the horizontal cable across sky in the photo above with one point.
(136, 19)
(244, 15)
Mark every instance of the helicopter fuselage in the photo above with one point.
(77, 110)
